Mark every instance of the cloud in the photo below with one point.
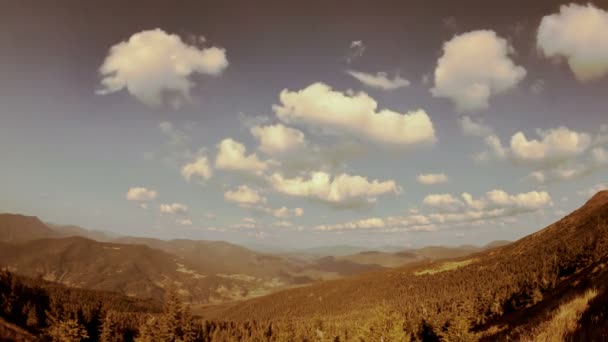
(369, 223)
(596, 159)
(432, 178)
(244, 195)
(277, 139)
(343, 189)
(356, 50)
(555, 145)
(231, 155)
(578, 34)
(452, 211)
(472, 127)
(199, 168)
(176, 136)
(445, 202)
(141, 194)
(184, 222)
(152, 63)
(356, 114)
(285, 212)
(593, 190)
(173, 209)
(474, 67)
(379, 80)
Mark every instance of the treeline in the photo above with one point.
(57, 313)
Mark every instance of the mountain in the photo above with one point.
(71, 230)
(202, 271)
(383, 259)
(18, 228)
(496, 292)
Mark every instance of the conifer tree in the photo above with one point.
(385, 325)
(67, 331)
(110, 329)
(171, 319)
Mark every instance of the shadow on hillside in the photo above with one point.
(520, 322)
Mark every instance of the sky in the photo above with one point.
(304, 124)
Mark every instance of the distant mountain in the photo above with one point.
(202, 271)
(19, 228)
(71, 230)
(383, 259)
(502, 292)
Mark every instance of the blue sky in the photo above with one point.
(372, 125)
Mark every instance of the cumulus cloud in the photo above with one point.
(450, 211)
(442, 201)
(285, 212)
(554, 145)
(197, 168)
(141, 194)
(356, 114)
(173, 209)
(577, 33)
(244, 195)
(475, 66)
(379, 80)
(343, 189)
(277, 139)
(231, 155)
(152, 63)
(432, 178)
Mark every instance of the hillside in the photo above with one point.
(18, 228)
(135, 270)
(498, 286)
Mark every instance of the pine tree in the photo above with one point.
(171, 318)
(110, 330)
(385, 325)
(189, 331)
(458, 330)
(67, 331)
(149, 331)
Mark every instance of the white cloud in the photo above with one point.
(555, 145)
(369, 223)
(432, 178)
(495, 207)
(173, 209)
(476, 128)
(356, 114)
(231, 155)
(152, 63)
(475, 66)
(343, 189)
(298, 212)
(276, 139)
(578, 34)
(184, 222)
(379, 80)
(141, 194)
(244, 195)
(442, 201)
(199, 167)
